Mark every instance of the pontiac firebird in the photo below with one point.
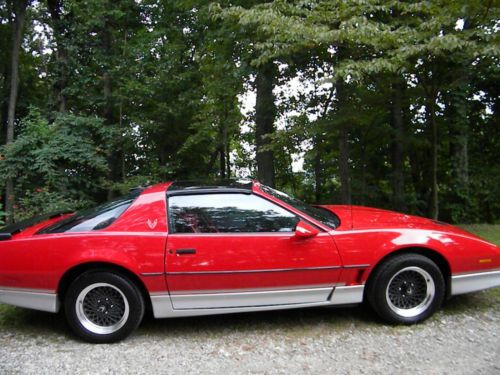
(185, 249)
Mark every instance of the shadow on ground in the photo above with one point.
(301, 321)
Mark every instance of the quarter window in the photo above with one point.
(96, 218)
(227, 213)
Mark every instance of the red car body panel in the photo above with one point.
(136, 242)
(369, 234)
(301, 262)
(139, 241)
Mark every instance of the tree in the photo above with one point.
(388, 104)
(265, 111)
(19, 10)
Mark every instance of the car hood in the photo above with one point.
(360, 217)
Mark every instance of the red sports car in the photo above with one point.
(186, 249)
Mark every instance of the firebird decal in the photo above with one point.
(152, 223)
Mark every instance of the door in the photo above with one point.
(238, 249)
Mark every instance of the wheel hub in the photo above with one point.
(102, 308)
(410, 291)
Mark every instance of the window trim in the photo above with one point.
(171, 225)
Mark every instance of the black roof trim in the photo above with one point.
(207, 190)
(210, 187)
(137, 190)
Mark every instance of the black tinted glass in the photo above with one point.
(228, 213)
(321, 214)
(23, 224)
(95, 218)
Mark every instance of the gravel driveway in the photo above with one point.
(462, 339)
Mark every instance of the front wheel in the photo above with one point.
(406, 289)
(103, 307)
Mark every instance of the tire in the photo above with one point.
(103, 307)
(406, 289)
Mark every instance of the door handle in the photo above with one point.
(185, 251)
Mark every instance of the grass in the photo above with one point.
(291, 323)
(487, 231)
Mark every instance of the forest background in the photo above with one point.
(393, 104)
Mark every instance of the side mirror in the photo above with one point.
(304, 230)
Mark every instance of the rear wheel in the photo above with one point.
(406, 289)
(103, 307)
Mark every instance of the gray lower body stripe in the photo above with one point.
(196, 305)
(247, 290)
(37, 299)
(472, 282)
(250, 299)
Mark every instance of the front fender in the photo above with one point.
(463, 253)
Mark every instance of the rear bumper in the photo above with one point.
(472, 282)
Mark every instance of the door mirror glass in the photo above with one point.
(305, 230)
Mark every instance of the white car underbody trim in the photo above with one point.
(249, 299)
(30, 298)
(472, 282)
(211, 304)
(194, 304)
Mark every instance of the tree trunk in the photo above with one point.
(433, 198)
(318, 182)
(318, 141)
(5, 64)
(55, 9)
(228, 159)
(17, 37)
(344, 128)
(345, 182)
(418, 178)
(398, 182)
(460, 125)
(222, 160)
(363, 163)
(456, 111)
(115, 157)
(265, 112)
(211, 162)
(224, 156)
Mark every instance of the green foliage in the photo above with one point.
(62, 162)
(2, 215)
(133, 182)
(119, 94)
(41, 201)
(488, 232)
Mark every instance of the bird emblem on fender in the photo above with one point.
(152, 223)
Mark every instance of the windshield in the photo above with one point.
(95, 218)
(321, 214)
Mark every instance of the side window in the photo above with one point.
(96, 218)
(227, 213)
